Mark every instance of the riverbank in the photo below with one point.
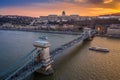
(108, 36)
(46, 31)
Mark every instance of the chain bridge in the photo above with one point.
(40, 59)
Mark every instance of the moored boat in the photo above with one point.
(99, 49)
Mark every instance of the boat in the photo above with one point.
(43, 38)
(99, 49)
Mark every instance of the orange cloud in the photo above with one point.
(43, 9)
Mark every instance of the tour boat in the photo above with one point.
(43, 38)
(99, 49)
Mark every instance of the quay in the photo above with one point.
(45, 31)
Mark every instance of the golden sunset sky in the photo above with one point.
(36, 8)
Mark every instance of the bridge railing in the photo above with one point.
(65, 46)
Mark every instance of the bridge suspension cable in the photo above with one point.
(13, 66)
(31, 60)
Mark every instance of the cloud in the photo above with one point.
(108, 1)
(81, 7)
(114, 4)
(95, 1)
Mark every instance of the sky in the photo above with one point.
(36, 8)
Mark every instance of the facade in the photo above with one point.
(114, 31)
(54, 17)
(63, 17)
(75, 17)
(8, 25)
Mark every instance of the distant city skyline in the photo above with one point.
(36, 8)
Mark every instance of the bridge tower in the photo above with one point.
(44, 57)
(88, 32)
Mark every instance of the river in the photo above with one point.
(79, 64)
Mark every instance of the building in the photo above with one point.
(52, 17)
(43, 19)
(63, 17)
(74, 17)
(114, 31)
(8, 25)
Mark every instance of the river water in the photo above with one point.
(79, 64)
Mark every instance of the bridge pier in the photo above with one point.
(44, 57)
(90, 36)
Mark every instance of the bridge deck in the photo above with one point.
(66, 46)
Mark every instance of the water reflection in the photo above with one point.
(82, 64)
(79, 64)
